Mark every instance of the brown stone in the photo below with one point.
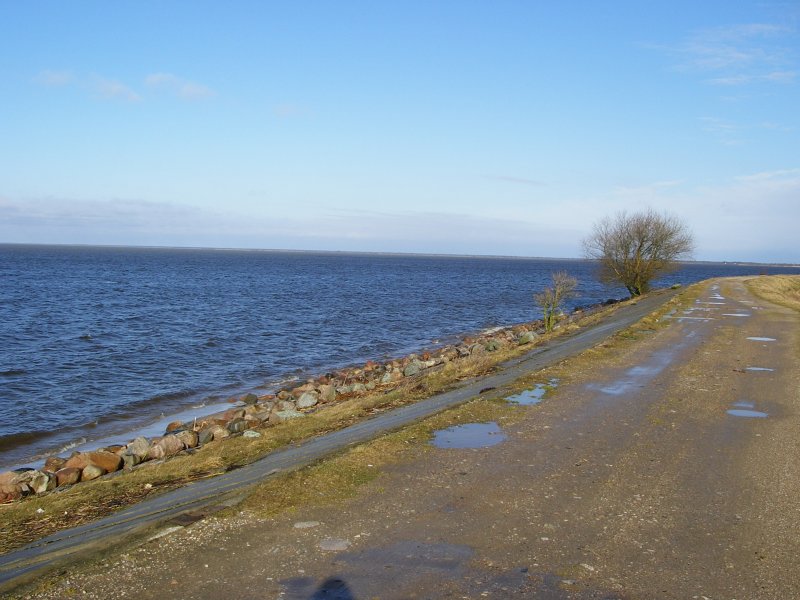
(327, 393)
(10, 492)
(174, 426)
(68, 476)
(156, 452)
(105, 460)
(91, 471)
(54, 463)
(171, 444)
(8, 478)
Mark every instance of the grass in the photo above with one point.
(780, 289)
(20, 523)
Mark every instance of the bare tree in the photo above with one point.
(551, 298)
(634, 249)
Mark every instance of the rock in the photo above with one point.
(387, 377)
(327, 393)
(156, 452)
(527, 338)
(476, 349)
(8, 478)
(137, 448)
(237, 425)
(251, 433)
(68, 476)
(492, 346)
(370, 386)
(334, 545)
(358, 388)
(92, 471)
(463, 351)
(308, 399)
(344, 389)
(412, 368)
(306, 524)
(129, 461)
(10, 492)
(171, 444)
(105, 460)
(283, 395)
(188, 437)
(54, 463)
(263, 415)
(219, 432)
(175, 426)
(205, 435)
(286, 405)
(36, 481)
(250, 399)
(279, 416)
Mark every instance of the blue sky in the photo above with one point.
(458, 127)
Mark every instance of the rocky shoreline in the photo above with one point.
(258, 411)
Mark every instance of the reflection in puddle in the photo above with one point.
(761, 339)
(735, 314)
(745, 408)
(759, 369)
(750, 414)
(471, 435)
(535, 395)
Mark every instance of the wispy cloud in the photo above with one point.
(726, 132)
(182, 88)
(51, 78)
(113, 90)
(521, 180)
(739, 54)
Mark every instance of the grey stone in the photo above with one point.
(334, 545)
(527, 338)
(307, 400)
(250, 399)
(412, 368)
(285, 415)
(137, 448)
(250, 433)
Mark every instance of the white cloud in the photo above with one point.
(50, 78)
(113, 90)
(740, 54)
(182, 88)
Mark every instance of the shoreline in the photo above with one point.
(191, 428)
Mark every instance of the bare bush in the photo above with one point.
(633, 249)
(551, 298)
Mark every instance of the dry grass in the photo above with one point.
(780, 289)
(20, 523)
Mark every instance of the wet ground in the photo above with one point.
(641, 473)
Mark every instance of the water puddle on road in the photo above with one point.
(735, 314)
(471, 435)
(747, 413)
(759, 369)
(761, 339)
(535, 395)
(746, 410)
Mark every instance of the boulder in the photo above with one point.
(8, 478)
(54, 463)
(156, 452)
(528, 337)
(91, 471)
(308, 399)
(279, 416)
(237, 425)
(10, 492)
(105, 460)
(413, 368)
(250, 433)
(250, 399)
(213, 432)
(285, 405)
(358, 388)
(68, 476)
(188, 437)
(492, 346)
(171, 444)
(137, 448)
(327, 393)
(36, 481)
(175, 426)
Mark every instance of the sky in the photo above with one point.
(466, 127)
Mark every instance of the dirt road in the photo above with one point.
(632, 479)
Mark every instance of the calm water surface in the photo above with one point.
(97, 341)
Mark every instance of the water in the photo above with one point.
(471, 435)
(95, 342)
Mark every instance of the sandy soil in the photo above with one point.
(629, 480)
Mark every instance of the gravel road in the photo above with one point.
(662, 468)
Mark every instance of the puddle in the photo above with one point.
(471, 435)
(759, 369)
(747, 413)
(744, 404)
(535, 395)
(746, 409)
(761, 339)
(735, 314)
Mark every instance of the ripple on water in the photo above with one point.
(471, 435)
